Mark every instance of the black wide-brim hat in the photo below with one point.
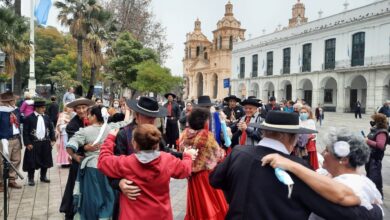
(227, 99)
(80, 101)
(204, 101)
(168, 94)
(39, 103)
(147, 106)
(283, 122)
(254, 102)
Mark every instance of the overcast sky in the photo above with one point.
(178, 17)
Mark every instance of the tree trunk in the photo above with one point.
(92, 81)
(80, 60)
(18, 79)
(17, 6)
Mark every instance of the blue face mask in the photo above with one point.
(303, 116)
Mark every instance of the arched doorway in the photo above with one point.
(285, 90)
(214, 82)
(269, 90)
(329, 94)
(306, 87)
(199, 80)
(255, 89)
(358, 92)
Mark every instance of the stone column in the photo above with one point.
(371, 94)
(315, 98)
(341, 94)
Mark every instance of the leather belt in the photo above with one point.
(13, 137)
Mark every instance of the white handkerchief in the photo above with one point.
(5, 144)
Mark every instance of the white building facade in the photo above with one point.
(334, 61)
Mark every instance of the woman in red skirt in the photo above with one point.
(203, 201)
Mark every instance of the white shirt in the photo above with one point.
(363, 187)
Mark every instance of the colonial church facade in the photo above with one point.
(333, 61)
(207, 63)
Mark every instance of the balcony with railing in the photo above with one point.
(368, 62)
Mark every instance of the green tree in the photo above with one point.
(12, 39)
(49, 43)
(152, 77)
(78, 15)
(128, 53)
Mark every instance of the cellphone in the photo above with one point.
(364, 135)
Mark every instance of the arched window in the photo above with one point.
(231, 43)
(220, 42)
(358, 46)
(205, 55)
(197, 51)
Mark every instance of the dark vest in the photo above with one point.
(375, 152)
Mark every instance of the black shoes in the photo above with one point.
(31, 182)
(45, 180)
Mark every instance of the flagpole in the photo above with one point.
(31, 80)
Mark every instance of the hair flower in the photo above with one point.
(341, 148)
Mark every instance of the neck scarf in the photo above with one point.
(40, 129)
(244, 135)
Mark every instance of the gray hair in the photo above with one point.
(359, 150)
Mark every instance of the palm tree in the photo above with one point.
(12, 39)
(101, 34)
(79, 16)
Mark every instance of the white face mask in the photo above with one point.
(116, 105)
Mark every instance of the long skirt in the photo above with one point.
(40, 156)
(203, 201)
(62, 155)
(96, 198)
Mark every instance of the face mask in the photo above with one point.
(116, 105)
(303, 116)
(372, 123)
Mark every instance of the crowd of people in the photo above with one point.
(244, 159)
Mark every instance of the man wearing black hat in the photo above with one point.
(254, 192)
(233, 112)
(80, 120)
(173, 115)
(244, 135)
(146, 111)
(271, 106)
(38, 136)
(10, 143)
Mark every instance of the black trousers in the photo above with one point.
(374, 173)
(67, 199)
(32, 172)
(358, 112)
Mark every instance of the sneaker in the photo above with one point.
(14, 185)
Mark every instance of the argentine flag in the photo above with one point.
(42, 11)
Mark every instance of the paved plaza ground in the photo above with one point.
(43, 200)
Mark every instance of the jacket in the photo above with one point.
(6, 130)
(254, 192)
(151, 177)
(29, 130)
